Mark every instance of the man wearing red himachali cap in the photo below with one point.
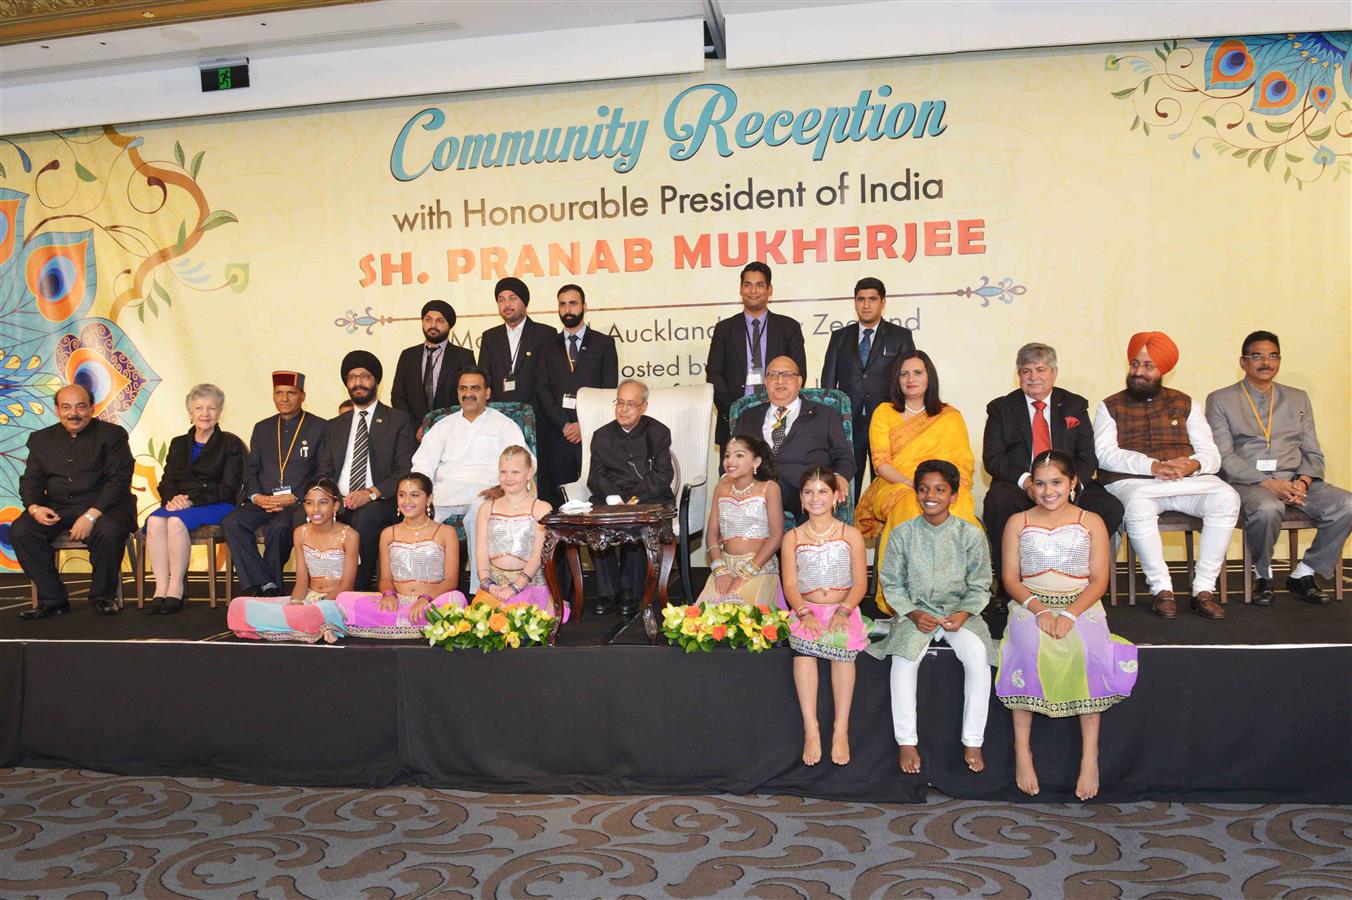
(283, 456)
(1156, 454)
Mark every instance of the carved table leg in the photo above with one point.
(552, 579)
(575, 569)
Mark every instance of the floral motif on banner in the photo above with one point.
(1281, 103)
(89, 236)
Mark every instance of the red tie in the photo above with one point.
(1042, 435)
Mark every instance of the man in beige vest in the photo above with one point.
(1156, 454)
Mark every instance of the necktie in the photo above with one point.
(755, 345)
(1042, 435)
(572, 352)
(361, 450)
(780, 429)
(429, 383)
(865, 346)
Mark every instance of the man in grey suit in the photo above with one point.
(859, 361)
(1270, 455)
(802, 434)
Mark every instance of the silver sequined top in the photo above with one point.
(325, 563)
(1054, 559)
(511, 535)
(824, 566)
(423, 561)
(746, 518)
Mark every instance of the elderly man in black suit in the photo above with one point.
(744, 343)
(802, 434)
(1037, 417)
(283, 456)
(578, 357)
(365, 451)
(859, 360)
(631, 460)
(427, 373)
(77, 479)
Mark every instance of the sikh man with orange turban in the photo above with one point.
(1156, 454)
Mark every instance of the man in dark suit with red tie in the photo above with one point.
(577, 357)
(426, 375)
(1023, 423)
(744, 344)
(859, 361)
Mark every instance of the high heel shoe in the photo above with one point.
(156, 607)
(172, 605)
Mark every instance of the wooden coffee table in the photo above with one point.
(648, 524)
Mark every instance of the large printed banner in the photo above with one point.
(1071, 196)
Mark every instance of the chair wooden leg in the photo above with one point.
(1112, 580)
(230, 575)
(211, 572)
(141, 570)
(1192, 563)
(1131, 574)
(1248, 569)
(1294, 546)
(34, 588)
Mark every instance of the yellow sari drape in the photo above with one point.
(905, 444)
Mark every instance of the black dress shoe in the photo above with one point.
(172, 605)
(45, 611)
(628, 609)
(156, 607)
(604, 607)
(1262, 592)
(1306, 589)
(270, 590)
(107, 606)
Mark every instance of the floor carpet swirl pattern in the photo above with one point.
(77, 833)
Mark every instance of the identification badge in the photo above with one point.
(1267, 465)
(281, 489)
(509, 384)
(755, 378)
(569, 401)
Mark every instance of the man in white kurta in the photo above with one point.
(460, 454)
(1156, 454)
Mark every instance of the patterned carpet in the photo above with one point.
(69, 833)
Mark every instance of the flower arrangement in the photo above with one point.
(704, 626)
(487, 626)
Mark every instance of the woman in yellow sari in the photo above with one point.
(914, 427)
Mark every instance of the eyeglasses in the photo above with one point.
(1262, 357)
(780, 376)
(629, 404)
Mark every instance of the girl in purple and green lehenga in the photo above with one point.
(1058, 657)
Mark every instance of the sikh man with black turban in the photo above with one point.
(512, 354)
(427, 373)
(1156, 454)
(365, 450)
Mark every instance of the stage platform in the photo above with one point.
(1254, 708)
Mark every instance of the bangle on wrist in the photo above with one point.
(842, 610)
(1068, 614)
(384, 594)
(485, 583)
(802, 612)
(427, 597)
(1040, 612)
(1025, 601)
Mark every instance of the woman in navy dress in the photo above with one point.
(203, 473)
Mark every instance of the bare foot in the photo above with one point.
(812, 747)
(972, 756)
(910, 760)
(840, 748)
(1087, 787)
(1025, 776)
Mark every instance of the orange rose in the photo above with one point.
(764, 610)
(771, 632)
(719, 632)
(692, 612)
(497, 622)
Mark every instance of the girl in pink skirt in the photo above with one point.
(511, 539)
(419, 565)
(825, 576)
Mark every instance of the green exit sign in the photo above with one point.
(225, 77)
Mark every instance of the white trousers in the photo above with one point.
(976, 688)
(471, 514)
(1204, 496)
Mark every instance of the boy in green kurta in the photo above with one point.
(936, 576)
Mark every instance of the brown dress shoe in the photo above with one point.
(1165, 606)
(1205, 605)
